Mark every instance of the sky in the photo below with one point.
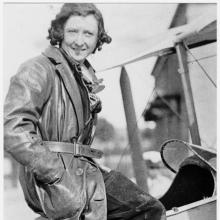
(132, 28)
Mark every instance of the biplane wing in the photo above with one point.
(199, 32)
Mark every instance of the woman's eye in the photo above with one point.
(88, 34)
(72, 31)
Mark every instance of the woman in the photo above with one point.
(50, 114)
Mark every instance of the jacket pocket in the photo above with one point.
(67, 197)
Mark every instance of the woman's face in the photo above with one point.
(80, 36)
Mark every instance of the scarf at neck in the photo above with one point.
(86, 72)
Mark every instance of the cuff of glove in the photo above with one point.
(47, 167)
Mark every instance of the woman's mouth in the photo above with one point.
(79, 49)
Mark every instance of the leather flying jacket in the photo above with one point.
(44, 104)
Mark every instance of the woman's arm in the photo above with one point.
(28, 90)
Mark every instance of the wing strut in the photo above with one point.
(139, 166)
(183, 70)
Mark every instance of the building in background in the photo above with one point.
(167, 108)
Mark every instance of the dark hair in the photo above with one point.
(82, 9)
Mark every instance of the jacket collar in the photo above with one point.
(55, 54)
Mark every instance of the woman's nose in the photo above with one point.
(79, 40)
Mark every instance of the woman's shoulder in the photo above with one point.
(37, 68)
(39, 61)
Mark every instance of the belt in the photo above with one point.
(73, 148)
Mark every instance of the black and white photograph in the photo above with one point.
(109, 110)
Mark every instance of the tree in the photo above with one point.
(104, 131)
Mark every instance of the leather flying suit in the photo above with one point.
(44, 104)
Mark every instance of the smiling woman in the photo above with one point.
(80, 36)
(49, 127)
(56, 31)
